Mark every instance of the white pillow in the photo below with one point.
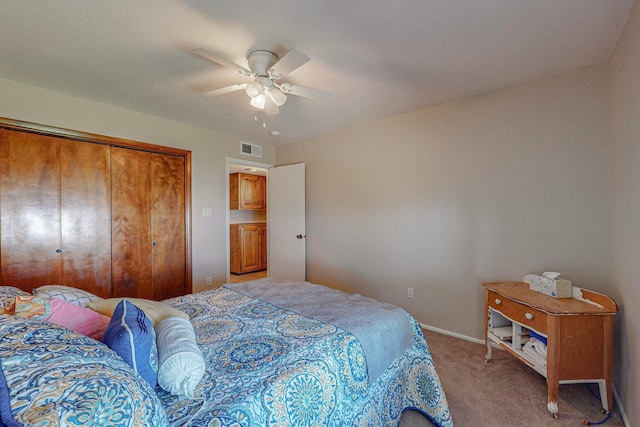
(180, 362)
(66, 293)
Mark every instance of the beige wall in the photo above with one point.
(624, 107)
(209, 151)
(487, 188)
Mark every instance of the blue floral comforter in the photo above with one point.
(57, 377)
(272, 366)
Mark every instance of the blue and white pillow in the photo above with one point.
(130, 334)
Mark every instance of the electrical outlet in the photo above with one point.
(209, 280)
(409, 292)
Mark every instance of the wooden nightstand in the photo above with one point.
(579, 333)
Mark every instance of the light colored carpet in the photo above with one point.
(505, 392)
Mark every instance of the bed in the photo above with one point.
(276, 353)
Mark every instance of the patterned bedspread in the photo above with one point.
(268, 365)
(60, 378)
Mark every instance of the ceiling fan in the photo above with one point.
(267, 91)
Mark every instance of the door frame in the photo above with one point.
(235, 161)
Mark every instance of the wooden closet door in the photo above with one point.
(30, 209)
(131, 223)
(148, 216)
(86, 216)
(168, 226)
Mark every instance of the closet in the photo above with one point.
(103, 214)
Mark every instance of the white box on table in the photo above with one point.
(556, 287)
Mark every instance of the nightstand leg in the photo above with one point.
(487, 354)
(552, 406)
(553, 363)
(487, 326)
(605, 393)
(606, 390)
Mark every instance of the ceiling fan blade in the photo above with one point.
(221, 61)
(223, 90)
(270, 107)
(306, 92)
(289, 62)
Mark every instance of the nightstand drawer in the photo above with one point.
(523, 314)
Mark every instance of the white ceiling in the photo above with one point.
(376, 57)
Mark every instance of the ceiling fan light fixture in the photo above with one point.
(258, 101)
(267, 92)
(279, 98)
(253, 89)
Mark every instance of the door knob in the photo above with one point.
(300, 236)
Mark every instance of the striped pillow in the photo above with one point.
(181, 365)
(131, 335)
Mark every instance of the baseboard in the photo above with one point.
(453, 334)
(623, 414)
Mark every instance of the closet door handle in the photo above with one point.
(58, 251)
(154, 243)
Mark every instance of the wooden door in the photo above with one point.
(260, 191)
(149, 224)
(168, 226)
(131, 260)
(30, 209)
(250, 237)
(247, 192)
(85, 196)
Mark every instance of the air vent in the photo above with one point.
(250, 149)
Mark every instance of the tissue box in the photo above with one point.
(557, 288)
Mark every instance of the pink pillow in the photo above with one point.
(80, 319)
